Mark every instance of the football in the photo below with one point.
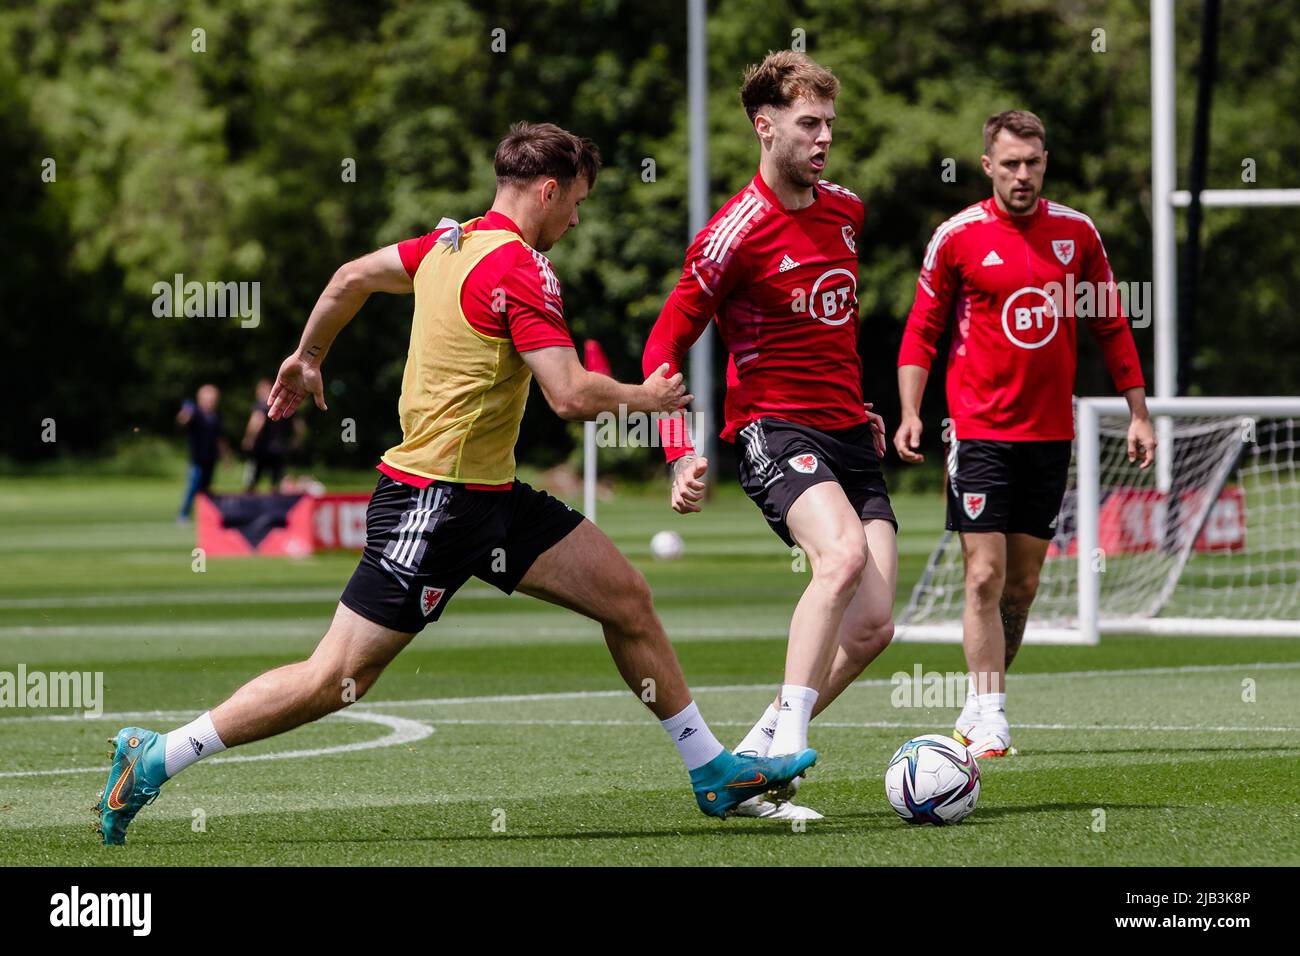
(667, 545)
(932, 779)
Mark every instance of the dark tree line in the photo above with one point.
(215, 141)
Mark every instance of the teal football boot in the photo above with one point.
(138, 770)
(730, 779)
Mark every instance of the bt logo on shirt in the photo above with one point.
(833, 298)
(1030, 318)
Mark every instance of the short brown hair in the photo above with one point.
(531, 150)
(1020, 123)
(782, 78)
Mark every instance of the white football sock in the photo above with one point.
(992, 705)
(695, 742)
(969, 710)
(792, 724)
(759, 739)
(191, 743)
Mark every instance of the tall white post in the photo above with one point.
(589, 470)
(1088, 509)
(700, 383)
(1164, 179)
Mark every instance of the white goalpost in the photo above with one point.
(1216, 552)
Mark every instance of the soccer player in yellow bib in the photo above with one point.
(488, 317)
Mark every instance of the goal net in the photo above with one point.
(1208, 543)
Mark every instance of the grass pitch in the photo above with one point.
(503, 735)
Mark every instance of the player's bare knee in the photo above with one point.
(634, 609)
(984, 584)
(840, 565)
(337, 680)
(322, 682)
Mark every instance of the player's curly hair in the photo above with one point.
(783, 77)
(531, 150)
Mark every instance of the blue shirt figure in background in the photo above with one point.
(203, 422)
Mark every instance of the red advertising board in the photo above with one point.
(339, 521)
(1133, 521)
(281, 525)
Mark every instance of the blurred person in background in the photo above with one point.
(203, 423)
(268, 442)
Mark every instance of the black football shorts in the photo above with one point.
(778, 461)
(422, 544)
(1014, 487)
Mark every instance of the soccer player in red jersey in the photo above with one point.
(488, 317)
(776, 267)
(1007, 272)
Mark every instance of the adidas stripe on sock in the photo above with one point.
(759, 738)
(792, 724)
(694, 741)
(191, 743)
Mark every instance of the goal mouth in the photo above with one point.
(1205, 543)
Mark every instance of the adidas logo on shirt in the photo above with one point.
(787, 264)
(992, 259)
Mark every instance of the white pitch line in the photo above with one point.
(861, 725)
(139, 599)
(869, 682)
(243, 627)
(165, 599)
(322, 595)
(1154, 728)
(233, 628)
(404, 731)
(364, 706)
(575, 632)
(128, 716)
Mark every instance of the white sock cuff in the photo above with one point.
(792, 727)
(682, 718)
(991, 703)
(794, 693)
(191, 743)
(692, 737)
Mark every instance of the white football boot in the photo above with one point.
(969, 714)
(989, 736)
(769, 808)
